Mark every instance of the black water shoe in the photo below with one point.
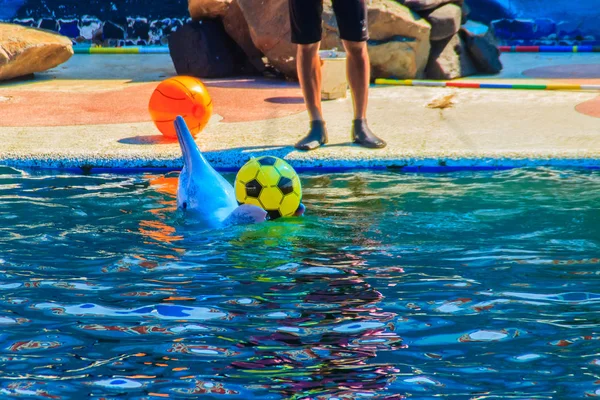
(316, 136)
(363, 136)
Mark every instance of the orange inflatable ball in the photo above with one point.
(180, 95)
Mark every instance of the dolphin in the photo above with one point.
(203, 192)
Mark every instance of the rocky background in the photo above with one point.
(436, 39)
(535, 22)
(409, 38)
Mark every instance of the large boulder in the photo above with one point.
(482, 45)
(400, 41)
(201, 9)
(399, 44)
(397, 59)
(24, 51)
(449, 59)
(269, 25)
(445, 21)
(203, 49)
(237, 28)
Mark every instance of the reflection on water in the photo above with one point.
(469, 285)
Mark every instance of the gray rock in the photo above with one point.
(445, 21)
(482, 46)
(204, 50)
(449, 59)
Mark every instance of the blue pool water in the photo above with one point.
(475, 285)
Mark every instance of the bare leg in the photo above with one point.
(309, 73)
(359, 75)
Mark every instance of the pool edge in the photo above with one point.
(409, 164)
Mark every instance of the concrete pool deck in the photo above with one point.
(92, 113)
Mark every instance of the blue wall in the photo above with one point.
(114, 22)
(9, 8)
(102, 9)
(149, 21)
(566, 21)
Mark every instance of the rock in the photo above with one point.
(237, 28)
(389, 19)
(203, 49)
(395, 59)
(391, 25)
(201, 9)
(24, 51)
(269, 25)
(445, 21)
(482, 46)
(449, 59)
(399, 41)
(421, 5)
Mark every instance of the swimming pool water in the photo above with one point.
(473, 285)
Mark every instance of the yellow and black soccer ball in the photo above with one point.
(270, 183)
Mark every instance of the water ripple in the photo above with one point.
(479, 285)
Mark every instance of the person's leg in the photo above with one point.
(352, 21)
(359, 75)
(305, 19)
(309, 74)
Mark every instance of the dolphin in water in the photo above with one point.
(203, 192)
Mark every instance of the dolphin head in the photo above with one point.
(201, 189)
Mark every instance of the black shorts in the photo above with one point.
(306, 23)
